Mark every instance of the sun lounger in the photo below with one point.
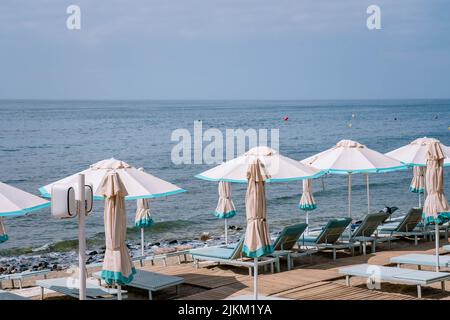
(5, 295)
(21, 276)
(231, 256)
(419, 259)
(364, 233)
(151, 281)
(446, 248)
(407, 227)
(395, 275)
(69, 287)
(286, 240)
(328, 237)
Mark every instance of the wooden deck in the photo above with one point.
(313, 278)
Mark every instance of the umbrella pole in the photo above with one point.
(255, 279)
(81, 237)
(226, 231)
(350, 200)
(436, 231)
(323, 184)
(420, 201)
(307, 222)
(368, 193)
(142, 242)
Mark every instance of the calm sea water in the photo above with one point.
(43, 141)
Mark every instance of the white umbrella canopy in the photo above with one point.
(139, 184)
(15, 202)
(416, 152)
(279, 168)
(349, 157)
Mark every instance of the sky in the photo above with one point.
(224, 49)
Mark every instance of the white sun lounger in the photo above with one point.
(22, 275)
(151, 281)
(419, 260)
(69, 287)
(5, 295)
(446, 248)
(395, 275)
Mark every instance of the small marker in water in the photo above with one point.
(353, 115)
(285, 118)
(350, 125)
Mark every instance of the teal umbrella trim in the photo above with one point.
(415, 190)
(441, 218)
(257, 253)
(144, 223)
(113, 277)
(307, 207)
(25, 211)
(4, 238)
(225, 215)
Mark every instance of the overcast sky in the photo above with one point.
(224, 49)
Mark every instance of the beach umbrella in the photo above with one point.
(3, 235)
(117, 266)
(139, 184)
(15, 202)
(256, 167)
(416, 152)
(307, 202)
(257, 239)
(350, 157)
(418, 182)
(436, 203)
(225, 207)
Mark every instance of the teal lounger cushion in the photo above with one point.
(220, 253)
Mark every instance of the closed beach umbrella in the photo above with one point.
(225, 207)
(139, 184)
(307, 202)
(117, 266)
(143, 219)
(3, 235)
(257, 239)
(15, 202)
(350, 157)
(436, 203)
(418, 182)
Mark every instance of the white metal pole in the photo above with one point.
(307, 222)
(119, 292)
(81, 237)
(350, 201)
(368, 193)
(420, 201)
(323, 184)
(255, 279)
(436, 231)
(142, 242)
(226, 231)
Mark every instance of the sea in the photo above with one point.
(44, 141)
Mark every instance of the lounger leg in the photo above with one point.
(265, 268)
(99, 282)
(179, 259)
(141, 263)
(12, 283)
(347, 281)
(419, 291)
(278, 265)
(185, 257)
(289, 262)
(153, 262)
(271, 268)
(443, 286)
(364, 248)
(374, 246)
(1, 284)
(416, 242)
(334, 253)
(42, 293)
(165, 262)
(119, 292)
(150, 295)
(353, 251)
(399, 265)
(20, 284)
(419, 267)
(250, 271)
